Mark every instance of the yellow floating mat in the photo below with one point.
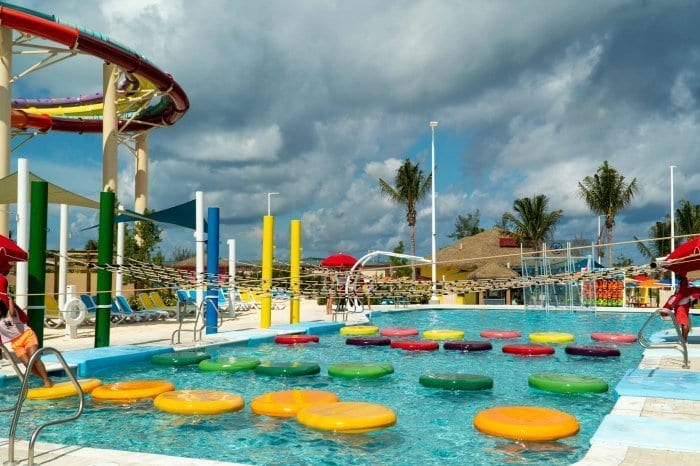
(359, 330)
(551, 337)
(348, 417)
(531, 423)
(62, 389)
(287, 403)
(131, 390)
(198, 402)
(443, 334)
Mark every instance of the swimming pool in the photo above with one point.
(434, 426)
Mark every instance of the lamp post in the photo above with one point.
(268, 201)
(673, 221)
(433, 299)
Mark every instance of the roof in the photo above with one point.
(478, 250)
(493, 270)
(56, 194)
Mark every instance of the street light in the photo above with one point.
(673, 221)
(268, 201)
(433, 125)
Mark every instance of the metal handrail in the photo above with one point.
(20, 375)
(681, 346)
(23, 396)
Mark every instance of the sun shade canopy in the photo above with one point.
(57, 194)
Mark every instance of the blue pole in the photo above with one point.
(212, 268)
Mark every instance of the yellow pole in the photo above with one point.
(294, 270)
(267, 244)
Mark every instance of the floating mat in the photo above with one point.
(646, 432)
(660, 383)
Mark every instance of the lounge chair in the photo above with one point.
(158, 301)
(150, 306)
(125, 308)
(186, 304)
(52, 313)
(89, 302)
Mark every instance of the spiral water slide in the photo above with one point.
(147, 98)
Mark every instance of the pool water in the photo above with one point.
(434, 426)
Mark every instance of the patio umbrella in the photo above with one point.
(685, 258)
(339, 261)
(10, 252)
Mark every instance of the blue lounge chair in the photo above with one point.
(125, 309)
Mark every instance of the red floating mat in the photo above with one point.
(528, 350)
(295, 339)
(398, 332)
(500, 334)
(416, 345)
(616, 337)
(592, 350)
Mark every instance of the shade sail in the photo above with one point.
(57, 194)
(183, 215)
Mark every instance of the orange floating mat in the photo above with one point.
(62, 389)
(287, 403)
(198, 402)
(531, 423)
(348, 417)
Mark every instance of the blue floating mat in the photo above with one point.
(646, 432)
(660, 383)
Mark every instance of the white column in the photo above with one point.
(5, 112)
(199, 244)
(231, 264)
(673, 230)
(63, 257)
(22, 270)
(109, 128)
(119, 278)
(433, 299)
(141, 176)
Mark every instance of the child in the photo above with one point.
(23, 339)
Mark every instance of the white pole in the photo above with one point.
(199, 244)
(119, 280)
(268, 202)
(22, 271)
(599, 245)
(433, 299)
(231, 265)
(63, 257)
(673, 234)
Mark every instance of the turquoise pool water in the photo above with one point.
(434, 426)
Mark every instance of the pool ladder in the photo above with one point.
(22, 396)
(681, 346)
(199, 315)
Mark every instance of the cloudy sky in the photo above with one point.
(316, 100)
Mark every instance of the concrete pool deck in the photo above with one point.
(655, 420)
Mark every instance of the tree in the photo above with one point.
(533, 223)
(607, 193)
(410, 187)
(466, 226)
(660, 245)
(397, 262)
(687, 218)
(180, 254)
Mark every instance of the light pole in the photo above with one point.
(268, 201)
(433, 299)
(673, 233)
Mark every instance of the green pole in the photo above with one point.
(105, 250)
(38, 212)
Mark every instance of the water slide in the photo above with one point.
(148, 96)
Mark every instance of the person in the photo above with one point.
(329, 284)
(23, 339)
(681, 302)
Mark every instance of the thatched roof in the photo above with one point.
(478, 250)
(492, 270)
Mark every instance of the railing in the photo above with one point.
(681, 346)
(20, 376)
(23, 396)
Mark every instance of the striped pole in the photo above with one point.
(105, 250)
(37, 258)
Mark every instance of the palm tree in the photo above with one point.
(410, 187)
(533, 223)
(607, 193)
(688, 218)
(660, 247)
